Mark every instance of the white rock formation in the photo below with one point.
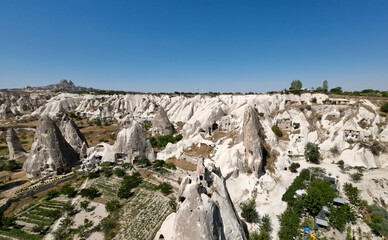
(15, 148)
(50, 153)
(133, 141)
(73, 136)
(253, 143)
(205, 210)
(161, 125)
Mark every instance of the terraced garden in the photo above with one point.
(108, 187)
(143, 214)
(33, 222)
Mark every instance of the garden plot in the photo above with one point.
(143, 214)
(107, 186)
(32, 223)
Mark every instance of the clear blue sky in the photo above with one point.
(188, 45)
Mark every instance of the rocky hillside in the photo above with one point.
(251, 140)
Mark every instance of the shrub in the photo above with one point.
(108, 225)
(68, 190)
(92, 175)
(39, 228)
(339, 216)
(107, 172)
(356, 176)
(84, 204)
(52, 194)
(89, 193)
(12, 166)
(162, 141)
(248, 211)
(277, 131)
(379, 219)
(314, 100)
(311, 153)
(119, 172)
(294, 166)
(126, 165)
(384, 107)
(127, 184)
(341, 164)
(112, 205)
(165, 188)
(143, 161)
(352, 193)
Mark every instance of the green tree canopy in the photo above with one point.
(325, 86)
(311, 152)
(296, 85)
(319, 194)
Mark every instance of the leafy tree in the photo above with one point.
(84, 204)
(352, 193)
(127, 184)
(314, 100)
(107, 172)
(384, 107)
(337, 90)
(289, 224)
(248, 211)
(311, 153)
(325, 86)
(294, 166)
(165, 188)
(119, 172)
(298, 183)
(143, 161)
(52, 194)
(92, 175)
(68, 190)
(339, 216)
(112, 205)
(341, 164)
(296, 85)
(319, 194)
(90, 193)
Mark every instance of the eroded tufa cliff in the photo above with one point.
(73, 136)
(14, 146)
(161, 124)
(50, 153)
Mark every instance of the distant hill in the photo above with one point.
(63, 86)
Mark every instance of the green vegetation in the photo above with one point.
(143, 161)
(119, 172)
(341, 164)
(296, 85)
(277, 131)
(90, 193)
(265, 230)
(128, 183)
(92, 175)
(384, 107)
(356, 176)
(339, 216)
(52, 194)
(319, 194)
(352, 194)
(294, 166)
(160, 166)
(107, 172)
(248, 211)
(289, 223)
(298, 183)
(112, 206)
(84, 204)
(68, 190)
(336, 90)
(314, 100)
(12, 166)
(379, 220)
(165, 188)
(311, 153)
(162, 141)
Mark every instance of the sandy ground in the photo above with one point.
(95, 213)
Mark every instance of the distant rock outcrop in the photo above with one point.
(50, 153)
(161, 125)
(5, 112)
(253, 143)
(205, 209)
(73, 136)
(133, 141)
(14, 146)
